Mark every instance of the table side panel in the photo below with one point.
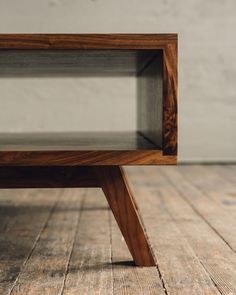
(170, 99)
(149, 100)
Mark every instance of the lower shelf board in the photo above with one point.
(79, 148)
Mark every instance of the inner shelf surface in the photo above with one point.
(62, 141)
(79, 149)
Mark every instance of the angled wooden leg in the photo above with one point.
(111, 179)
(117, 191)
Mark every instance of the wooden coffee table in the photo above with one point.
(94, 159)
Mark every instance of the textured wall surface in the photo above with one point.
(67, 104)
(207, 70)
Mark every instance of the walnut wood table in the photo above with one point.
(95, 159)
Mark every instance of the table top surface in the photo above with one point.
(86, 41)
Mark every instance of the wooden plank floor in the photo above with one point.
(65, 241)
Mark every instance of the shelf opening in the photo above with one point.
(80, 100)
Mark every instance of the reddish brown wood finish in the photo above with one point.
(90, 158)
(53, 168)
(170, 92)
(166, 43)
(115, 187)
(86, 41)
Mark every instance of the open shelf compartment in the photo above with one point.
(151, 59)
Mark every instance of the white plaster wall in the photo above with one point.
(207, 66)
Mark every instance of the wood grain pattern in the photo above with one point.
(111, 179)
(176, 259)
(90, 266)
(206, 207)
(120, 199)
(55, 243)
(89, 158)
(117, 53)
(149, 100)
(170, 93)
(25, 220)
(73, 149)
(192, 257)
(219, 184)
(85, 41)
(211, 247)
(128, 279)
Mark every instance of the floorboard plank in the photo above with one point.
(229, 172)
(25, 213)
(128, 279)
(208, 209)
(179, 266)
(214, 254)
(45, 269)
(8, 207)
(90, 269)
(214, 184)
(67, 241)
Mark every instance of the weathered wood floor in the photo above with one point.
(66, 241)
